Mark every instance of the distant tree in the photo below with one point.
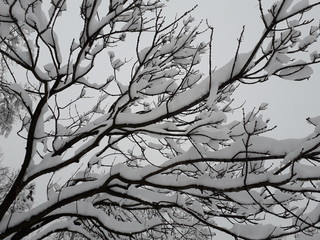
(146, 135)
(10, 104)
(24, 199)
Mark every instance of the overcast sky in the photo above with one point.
(289, 102)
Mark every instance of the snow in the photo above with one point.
(60, 4)
(18, 12)
(285, 9)
(306, 41)
(306, 145)
(306, 171)
(293, 23)
(260, 145)
(49, 37)
(94, 160)
(229, 70)
(300, 5)
(263, 106)
(117, 63)
(298, 70)
(80, 71)
(186, 98)
(96, 49)
(143, 53)
(314, 55)
(309, 218)
(155, 146)
(302, 236)
(5, 28)
(61, 225)
(48, 161)
(197, 207)
(4, 10)
(151, 196)
(206, 134)
(255, 231)
(315, 121)
(282, 8)
(87, 210)
(159, 86)
(96, 25)
(51, 70)
(213, 94)
(24, 57)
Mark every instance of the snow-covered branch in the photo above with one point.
(140, 146)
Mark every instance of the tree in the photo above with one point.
(147, 135)
(24, 200)
(10, 104)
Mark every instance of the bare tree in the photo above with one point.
(147, 135)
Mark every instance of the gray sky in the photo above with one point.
(289, 102)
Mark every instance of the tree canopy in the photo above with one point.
(121, 102)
